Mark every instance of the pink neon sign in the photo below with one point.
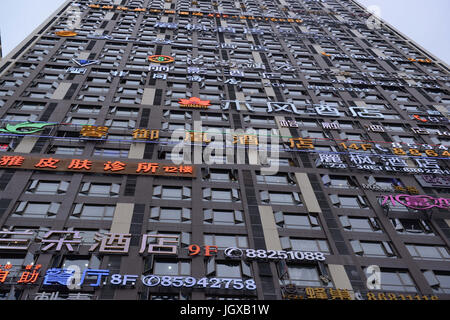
(417, 202)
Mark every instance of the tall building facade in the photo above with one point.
(218, 149)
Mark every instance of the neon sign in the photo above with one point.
(161, 59)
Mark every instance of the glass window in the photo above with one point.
(95, 212)
(228, 269)
(220, 175)
(373, 249)
(305, 276)
(44, 187)
(171, 193)
(428, 252)
(397, 281)
(226, 241)
(111, 153)
(309, 245)
(280, 179)
(224, 217)
(444, 283)
(412, 226)
(299, 221)
(221, 195)
(171, 268)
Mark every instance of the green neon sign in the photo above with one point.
(25, 127)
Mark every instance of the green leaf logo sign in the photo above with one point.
(25, 127)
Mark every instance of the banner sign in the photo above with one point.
(429, 181)
(417, 202)
(96, 166)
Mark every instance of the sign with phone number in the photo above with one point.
(235, 253)
(191, 282)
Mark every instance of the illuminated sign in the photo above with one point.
(63, 277)
(191, 282)
(300, 143)
(397, 149)
(429, 181)
(73, 70)
(394, 296)
(273, 255)
(417, 202)
(392, 188)
(94, 131)
(331, 126)
(292, 292)
(194, 102)
(84, 63)
(195, 13)
(66, 33)
(62, 296)
(389, 164)
(100, 37)
(28, 276)
(161, 59)
(96, 166)
(430, 119)
(25, 127)
(288, 123)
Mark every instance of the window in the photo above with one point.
(169, 297)
(171, 193)
(359, 224)
(29, 209)
(302, 244)
(171, 215)
(124, 112)
(31, 106)
(218, 175)
(349, 202)
(66, 150)
(226, 241)
(411, 226)
(171, 268)
(17, 262)
(396, 280)
(372, 249)
(88, 235)
(100, 189)
(85, 109)
(221, 195)
(231, 269)
(297, 220)
(280, 179)
(305, 276)
(47, 187)
(223, 217)
(81, 263)
(282, 198)
(438, 280)
(116, 153)
(334, 181)
(428, 252)
(81, 121)
(93, 211)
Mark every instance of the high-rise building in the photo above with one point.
(218, 149)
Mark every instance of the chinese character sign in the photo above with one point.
(417, 202)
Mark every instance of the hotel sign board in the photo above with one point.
(431, 181)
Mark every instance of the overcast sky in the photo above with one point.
(426, 22)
